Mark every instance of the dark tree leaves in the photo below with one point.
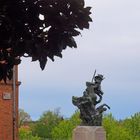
(39, 29)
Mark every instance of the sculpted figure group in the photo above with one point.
(90, 114)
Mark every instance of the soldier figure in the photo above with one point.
(92, 96)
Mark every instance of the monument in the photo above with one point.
(90, 112)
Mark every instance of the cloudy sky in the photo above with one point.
(111, 46)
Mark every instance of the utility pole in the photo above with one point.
(14, 103)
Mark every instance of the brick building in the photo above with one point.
(9, 108)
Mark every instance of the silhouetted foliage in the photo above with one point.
(39, 29)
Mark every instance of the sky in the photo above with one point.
(111, 46)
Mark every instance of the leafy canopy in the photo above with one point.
(24, 117)
(39, 29)
(48, 120)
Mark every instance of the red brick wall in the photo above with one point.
(7, 128)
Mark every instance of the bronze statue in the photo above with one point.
(89, 113)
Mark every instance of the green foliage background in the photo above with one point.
(52, 126)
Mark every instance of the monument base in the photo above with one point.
(89, 133)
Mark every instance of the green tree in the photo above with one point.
(114, 130)
(26, 134)
(132, 125)
(46, 123)
(63, 131)
(23, 117)
(75, 119)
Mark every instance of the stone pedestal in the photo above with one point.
(89, 133)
